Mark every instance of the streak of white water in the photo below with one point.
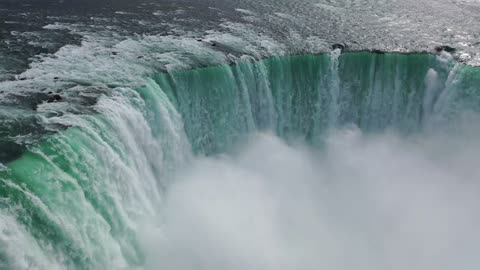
(334, 88)
(25, 254)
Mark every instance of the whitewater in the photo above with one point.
(229, 146)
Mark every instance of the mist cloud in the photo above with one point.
(362, 202)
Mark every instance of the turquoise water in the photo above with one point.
(78, 198)
(304, 96)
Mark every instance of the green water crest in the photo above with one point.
(304, 96)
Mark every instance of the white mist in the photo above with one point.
(361, 202)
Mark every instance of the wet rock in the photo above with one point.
(445, 48)
(339, 46)
(378, 51)
(9, 151)
(54, 98)
(29, 101)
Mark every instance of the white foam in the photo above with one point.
(22, 249)
(245, 11)
(364, 203)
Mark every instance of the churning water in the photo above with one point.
(178, 135)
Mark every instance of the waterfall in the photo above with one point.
(78, 197)
(304, 96)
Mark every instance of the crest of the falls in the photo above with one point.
(304, 96)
